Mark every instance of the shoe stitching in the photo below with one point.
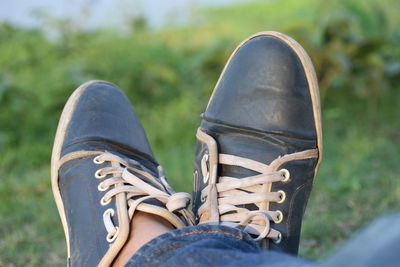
(121, 148)
(255, 131)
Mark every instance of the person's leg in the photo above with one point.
(214, 245)
(144, 227)
(209, 245)
(104, 174)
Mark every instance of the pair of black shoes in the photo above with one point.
(259, 147)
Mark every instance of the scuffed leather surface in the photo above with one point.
(262, 109)
(104, 113)
(83, 211)
(264, 87)
(103, 120)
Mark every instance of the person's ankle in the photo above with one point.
(144, 228)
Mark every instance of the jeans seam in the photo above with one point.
(211, 232)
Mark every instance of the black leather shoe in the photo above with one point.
(103, 170)
(260, 142)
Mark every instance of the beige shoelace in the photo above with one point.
(224, 195)
(130, 178)
(124, 177)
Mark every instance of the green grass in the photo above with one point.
(169, 76)
(358, 178)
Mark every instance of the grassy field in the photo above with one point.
(169, 75)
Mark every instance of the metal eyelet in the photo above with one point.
(283, 196)
(111, 211)
(205, 165)
(98, 174)
(103, 202)
(205, 178)
(97, 161)
(286, 174)
(279, 239)
(112, 237)
(280, 217)
(101, 188)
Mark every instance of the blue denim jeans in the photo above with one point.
(207, 245)
(216, 245)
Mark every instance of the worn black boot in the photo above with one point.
(260, 142)
(103, 170)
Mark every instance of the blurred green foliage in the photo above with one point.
(169, 75)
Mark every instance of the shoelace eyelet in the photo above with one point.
(101, 188)
(280, 217)
(204, 166)
(97, 161)
(104, 203)
(112, 237)
(109, 211)
(286, 174)
(282, 196)
(98, 174)
(279, 239)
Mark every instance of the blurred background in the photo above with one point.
(167, 56)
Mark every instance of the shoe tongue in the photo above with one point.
(250, 147)
(263, 151)
(260, 146)
(154, 202)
